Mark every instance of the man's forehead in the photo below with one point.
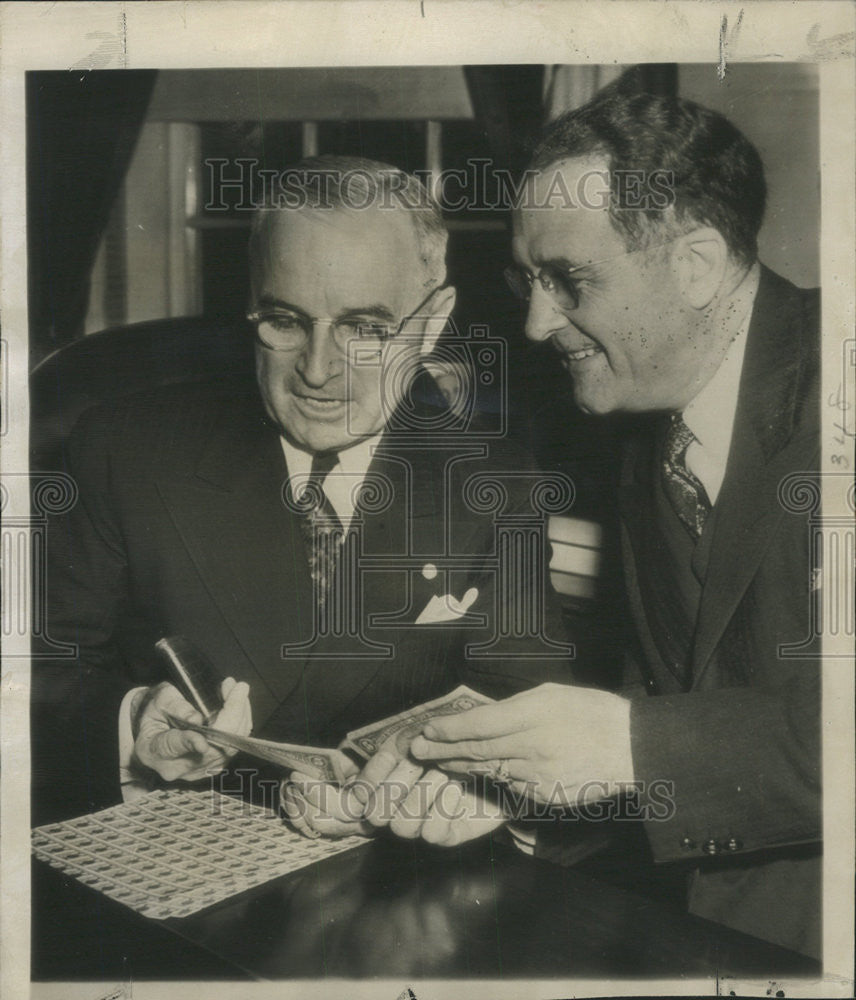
(564, 212)
(350, 254)
(377, 227)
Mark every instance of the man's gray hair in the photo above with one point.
(353, 183)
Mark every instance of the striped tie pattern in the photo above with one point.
(320, 526)
(684, 490)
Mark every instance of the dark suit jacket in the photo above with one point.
(741, 740)
(180, 528)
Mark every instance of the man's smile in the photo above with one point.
(573, 354)
(582, 354)
(319, 406)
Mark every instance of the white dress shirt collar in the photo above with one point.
(342, 485)
(710, 415)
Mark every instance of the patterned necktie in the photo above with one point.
(684, 490)
(320, 526)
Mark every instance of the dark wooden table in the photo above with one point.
(399, 909)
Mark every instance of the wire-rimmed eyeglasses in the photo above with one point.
(282, 329)
(557, 281)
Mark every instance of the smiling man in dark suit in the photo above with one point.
(310, 532)
(644, 277)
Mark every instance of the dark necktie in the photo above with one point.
(684, 490)
(320, 526)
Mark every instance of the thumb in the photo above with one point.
(235, 715)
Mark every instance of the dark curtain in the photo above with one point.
(650, 78)
(507, 105)
(81, 131)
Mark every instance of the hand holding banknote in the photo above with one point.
(553, 743)
(183, 754)
(391, 789)
(333, 809)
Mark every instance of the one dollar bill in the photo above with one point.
(317, 762)
(398, 732)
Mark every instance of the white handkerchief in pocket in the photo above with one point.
(446, 608)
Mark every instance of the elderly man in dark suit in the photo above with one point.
(636, 249)
(312, 534)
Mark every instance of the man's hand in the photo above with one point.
(390, 792)
(322, 809)
(363, 801)
(177, 754)
(451, 813)
(560, 745)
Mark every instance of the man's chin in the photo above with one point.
(595, 400)
(324, 437)
(329, 441)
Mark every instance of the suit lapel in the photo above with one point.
(764, 449)
(388, 533)
(635, 505)
(246, 544)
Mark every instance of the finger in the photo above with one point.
(169, 744)
(413, 811)
(516, 745)
(321, 823)
(516, 770)
(343, 767)
(392, 792)
(169, 701)
(470, 828)
(376, 769)
(302, 781)
(329, 826)
(325, 802)
(379, 767)
(311, 821)
(215, 760)
(329, 800)
(501, 718)
(484, 722)
(444, 811)
(245, 724)
(473, 817)
(197, 774)
(404, 775)
(226, 687)
(184, 768)
(295, 808)
(232, 716)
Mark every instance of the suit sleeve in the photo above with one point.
(76, 695)
(731, 771)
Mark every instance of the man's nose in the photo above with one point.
(544, 317)
(320, 359)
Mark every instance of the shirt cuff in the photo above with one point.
(132, 784)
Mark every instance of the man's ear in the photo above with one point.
(701, 261)
(441, 305)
